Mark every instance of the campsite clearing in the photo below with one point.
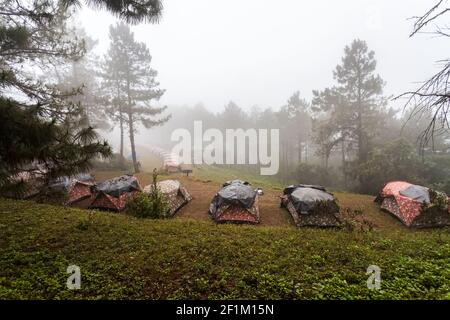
(206, 181)
(123, 257)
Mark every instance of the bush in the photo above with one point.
(153, 205)
(148, 206)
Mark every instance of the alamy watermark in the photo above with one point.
(236, 146)
(74, 280)
(374, 19)
(374, 280)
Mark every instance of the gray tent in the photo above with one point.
(119, 185)
(113, 194)
(64, 183)
(235, 202)
(417, 193)
(311, 205)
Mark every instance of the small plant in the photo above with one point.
(84, 224)
(438, 199)
(153, 205)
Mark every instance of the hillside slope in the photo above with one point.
(122, 257)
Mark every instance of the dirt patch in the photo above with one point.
(202, 194)
(271, 213)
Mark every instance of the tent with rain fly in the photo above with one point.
(29, 182)
(311, 206)
(236, 202)
(80, 193)
(32, 182)
(63, 183)
(414, 205)
(112, 194)
(78, 188)
(175, 193)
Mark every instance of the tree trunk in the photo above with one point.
(344, 163)
(122, 158)
(361, 144)
(133, 147)
(299, 150)
(119, 106)
(325, 159)
(361, 152)
(131, 127)
(306, 151)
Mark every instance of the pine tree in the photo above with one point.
(129, 74)
(83, 74)
(362, 90)
(131, 11)
(40, 121)
(113, 85)
(351, 112)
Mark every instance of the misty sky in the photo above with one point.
(258, 52)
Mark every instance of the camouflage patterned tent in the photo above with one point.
(236, 202)
(80, 193)
(78, 188)
(175, 194)
(64, 183)
(311, 206)
(415, 206)
(112, 194)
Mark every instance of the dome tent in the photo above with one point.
(78, 188)
(414, 205)
(112, 194)
(236, 202)
(311, 206)
(80, 193)
(174, 192)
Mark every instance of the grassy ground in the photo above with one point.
(122, 257)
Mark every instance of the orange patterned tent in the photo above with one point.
(414, 205)
(79, 191)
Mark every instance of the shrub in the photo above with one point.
(148, 206)
(153, 205)
(438, 199)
